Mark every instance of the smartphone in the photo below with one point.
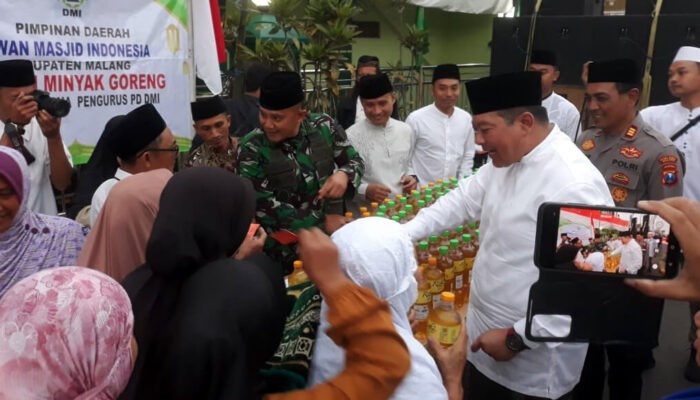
(285, 237)
(624, 242)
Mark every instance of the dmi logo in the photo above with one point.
(72, 8)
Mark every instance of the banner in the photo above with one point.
(106, 58)
(467, 6)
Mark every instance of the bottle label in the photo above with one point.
(469, 263)
(424, 297)
(449, 274)
(459, 281)
(445, 335)
(460, 265)
(437, 298)
(437, 286)
(422, 311)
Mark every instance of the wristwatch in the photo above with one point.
(514, 342)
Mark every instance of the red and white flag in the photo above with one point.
(208, 43)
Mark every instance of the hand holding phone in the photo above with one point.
(624, 242)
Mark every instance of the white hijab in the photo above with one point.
(375, 253)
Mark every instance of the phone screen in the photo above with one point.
(621, 241)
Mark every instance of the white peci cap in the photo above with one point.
(688, 53)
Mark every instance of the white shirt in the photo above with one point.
(100, 195)
(506, 201)
(652, 245)
(631, 257)
(444, 144)
(386, 152)
(669, 119)
(359, 111)
(563, 113)
(41, 197)
(597, 261)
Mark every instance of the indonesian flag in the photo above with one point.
(208, 43)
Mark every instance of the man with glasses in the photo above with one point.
(211, 123)
(142, 142)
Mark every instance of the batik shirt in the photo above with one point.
(287, 197)
(206, 156)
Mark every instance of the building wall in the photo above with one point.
(454, 37)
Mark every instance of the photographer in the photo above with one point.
(33, 132)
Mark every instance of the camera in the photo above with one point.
(59, 108)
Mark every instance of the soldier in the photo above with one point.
(638, 163)
(211, 123)
(302, 166)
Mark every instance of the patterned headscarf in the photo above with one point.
(34, 241)
(65, 333)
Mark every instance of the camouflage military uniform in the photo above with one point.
(205, 156)
(288, 175)
(639, 164)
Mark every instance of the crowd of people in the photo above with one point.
(170, 283)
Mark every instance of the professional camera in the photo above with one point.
(59, 108)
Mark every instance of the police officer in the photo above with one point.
(302, 166)
(638, 163)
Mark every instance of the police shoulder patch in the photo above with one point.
(588, 145)
(668, 159)
(631, 132)
(669, 174)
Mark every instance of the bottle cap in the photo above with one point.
(445, 233)
(431, 184)
(459, 229)
(363, 210)
(386, 201)
(429, 197)
(391, 204)
(423, 245)
(433, 239)
(476, 232)
(348, 214)
(472, 225)
(421, 203)
(396, 218)
(399, 197)
(380, 214)
(298, 264)
(466, 237)
(409, 207)
(415, 193)
(454, 243)
(374, 204)
(432, 261)
(382, 208)
(402, 214)
(439, 181)
(403, 200)
(366, 214)
(443, 250)
(447, 297)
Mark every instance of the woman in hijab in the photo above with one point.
(205, 323)
(65, 333)
(101, 166)
(376, 254)
(116, 244)
(30, 242)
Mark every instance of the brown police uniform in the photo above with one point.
(639, 164)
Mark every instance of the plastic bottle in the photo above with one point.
(445, 238)
(429, 200)
(422, 306)
(421, 205)
(444, 323)
(298, 276)
(475, 239)
(382, 209)
(446, 265)
(436, 279)
(391, 208)
(457, 233)
(403, 202)
(366, 214)
(410, 212)
(422, 254)
(374, 207)
(469, 254)
(415, 196)
(363, 210)
(396, 218)
(434, 246)
(403, 217)
(458, 262)
(348, 215)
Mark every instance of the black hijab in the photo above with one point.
(204, 323)
(101, 166)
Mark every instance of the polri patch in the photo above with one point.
(631, 132)
(631, 152)
(588, 145)
(668, 159)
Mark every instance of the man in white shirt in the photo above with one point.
(142, 142)
(560, 110)
(37, 134)
(532, 162)
(630, 255)
(679, 121)
(595, 261)
(444, 135)
(384, 143)
(652, 246)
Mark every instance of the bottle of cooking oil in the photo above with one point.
(436, 279)
(297, 276)
(446, 265)
(469, 254)
(422, 306)
(458, 262)
(422, 254)
(434, 246)
(374, 207)
(444, 323)
(475, 239)
(445, 238)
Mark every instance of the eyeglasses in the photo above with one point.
(174, 148)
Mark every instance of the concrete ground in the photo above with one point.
(671, 355)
